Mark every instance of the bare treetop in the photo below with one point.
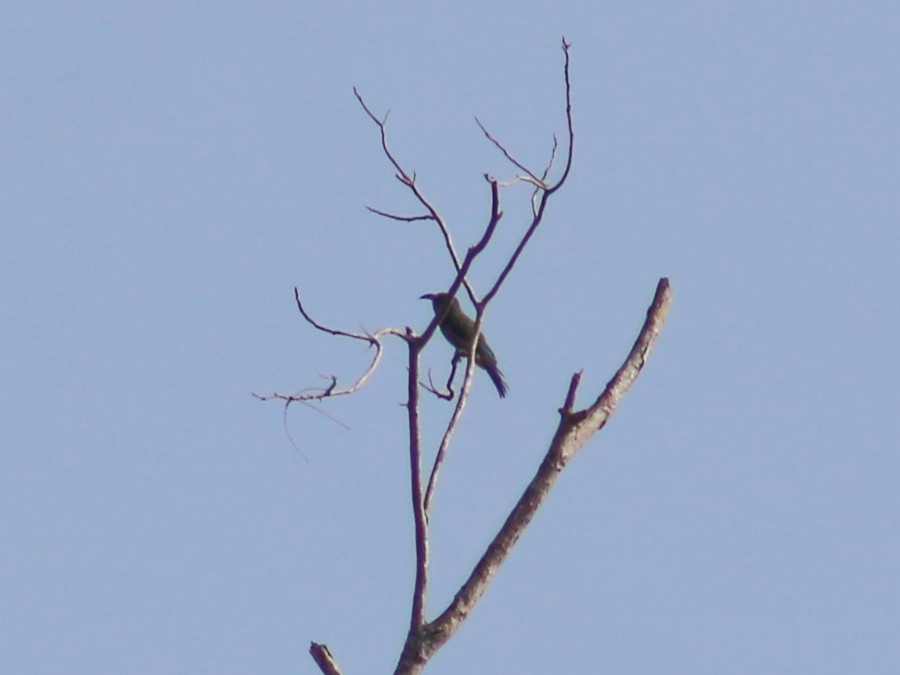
(574, 428)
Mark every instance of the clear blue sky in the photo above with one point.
(169, 171)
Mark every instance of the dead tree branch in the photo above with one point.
(573, 431)
(394, 216)
(324, 659)
(420, 518)
(332, 390)
(454, 420)
(414, 653)
(530, 177)
(545, 194)
(409, 180)
(481, 306)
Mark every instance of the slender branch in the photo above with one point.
(496, 215)
(506, 153)
(454, 418)
(471, 254)
(410, 182)
(537, 190)
(545, 195)
(552, 159)
(420, 513)
(415, 344)
(541, 183)
(569, 123)
(420, 519)
(394, 216)
(481, 306)
(324, 328)
(315, 394)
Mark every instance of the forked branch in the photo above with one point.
(317, 394)
(409, 180)
(543, 191)
(573, 431)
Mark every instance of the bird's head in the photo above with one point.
(439, 301)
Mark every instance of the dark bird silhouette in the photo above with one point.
(459, 331)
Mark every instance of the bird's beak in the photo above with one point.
(427, 296)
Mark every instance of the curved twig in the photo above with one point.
(332, 390)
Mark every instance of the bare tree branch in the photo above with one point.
(480, 307)
(416, 344)
(545, 195)
(506, 153)
(551, 160)
(537, 190)
(324, 659)
(574, 430)
(590, 420)
(570, 128)
(454, 418)
(420, 518)
(410, 182)
(315, 394)
(575, 426)
(471, 254)
(394, 216)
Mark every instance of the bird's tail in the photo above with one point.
(497, 379)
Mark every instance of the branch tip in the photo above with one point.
(323, 658)
(569, 405)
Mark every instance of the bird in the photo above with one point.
(459, 330)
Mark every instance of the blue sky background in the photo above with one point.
(169, 171)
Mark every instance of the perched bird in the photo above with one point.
(459, 331)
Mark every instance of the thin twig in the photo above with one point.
(410, 181)
(569, 124)
(537, 190)
(455, 417)
(545, 196)
(552, 159)
(393, 216)
(317, 394)
(508, 154)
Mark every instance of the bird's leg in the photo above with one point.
(453, 362)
